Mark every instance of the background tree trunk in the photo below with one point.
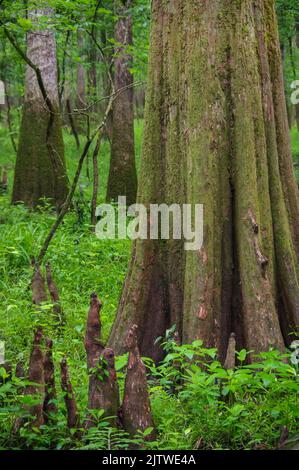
(122, 176)
(81, 86)
(216, 133)
(40, 167)
(92, 73)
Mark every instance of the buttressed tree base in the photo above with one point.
(216, 133)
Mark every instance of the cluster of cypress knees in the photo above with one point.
(133, 415)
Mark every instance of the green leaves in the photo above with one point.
(25, 24)
(233, 409)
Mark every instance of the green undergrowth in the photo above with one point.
(295, 150)
(194, 406)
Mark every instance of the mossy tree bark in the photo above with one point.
(122, 176)
(40, 170)
(216, 133)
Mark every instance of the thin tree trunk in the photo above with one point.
(216, 133)
(95, 182)
(72, 122)
(81, 87)
(122, 176)
(9, 122)
(81, 91)
(92, 71)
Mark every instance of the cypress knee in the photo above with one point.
(57, 309)
(37, 388)
(50, 407)
(103, 388)
(38, 286)
(20, 371)
(93, 345)
(73, 417)
(136, 408)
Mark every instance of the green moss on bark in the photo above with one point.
(215, 134)
(40, 167)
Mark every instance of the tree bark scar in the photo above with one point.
(261, 259)
(203, 313)
(253, 222)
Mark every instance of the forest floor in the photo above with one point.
(81, 264)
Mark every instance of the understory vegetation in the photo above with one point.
(196, 403)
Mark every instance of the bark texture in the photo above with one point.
(73, 417)
(81, 86)
(136, 408)
(103, 391)
(20, 371)
(50, 407)
(57, 308)
(122, 176)
(37, 378)
(38, 286)
(216, 133)
(40, 167)
(92, 341)
(3, 180)
(230, 360)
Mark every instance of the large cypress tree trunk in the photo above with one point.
(122, 176)
(40, 167)
(216, 133)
